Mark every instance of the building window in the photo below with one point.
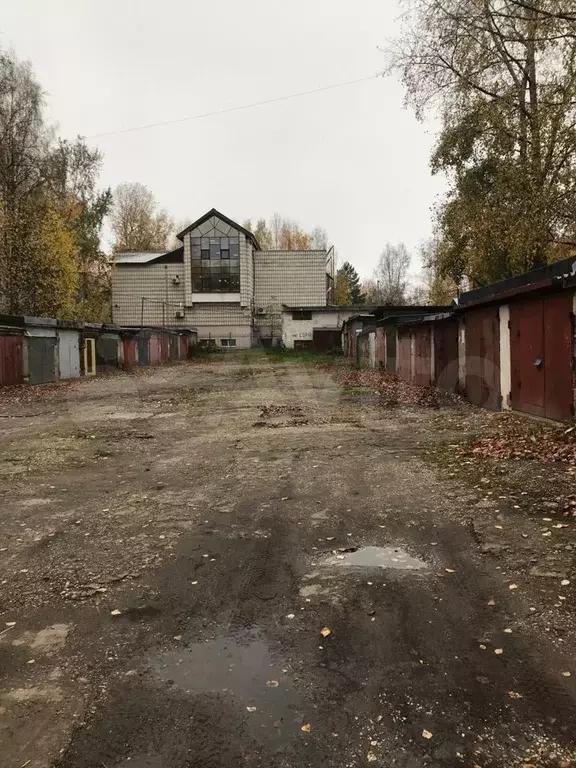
(227, 342)
(215, 264)
(301, 315)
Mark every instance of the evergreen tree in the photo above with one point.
(348, 274)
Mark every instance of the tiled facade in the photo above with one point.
(148, 295)
(157, 293)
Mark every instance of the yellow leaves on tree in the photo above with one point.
(56, 262)
(341, 290)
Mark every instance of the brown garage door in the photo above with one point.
(541, 356)
(326, 340)
(10, 360)
(422, 356)
(483, 357)
(404, 355)
(446, 355)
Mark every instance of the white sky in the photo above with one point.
(351, 160)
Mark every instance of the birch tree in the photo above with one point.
(502, 74)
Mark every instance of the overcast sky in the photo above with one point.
(351, 160)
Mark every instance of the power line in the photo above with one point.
(235, 109)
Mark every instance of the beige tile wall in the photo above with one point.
(162, 297)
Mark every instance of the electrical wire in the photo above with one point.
(227, 110)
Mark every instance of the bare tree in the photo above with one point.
(136, 224)
(319, 239)
(391, 274)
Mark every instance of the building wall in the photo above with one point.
(294, 278)
(293, 330)
(246, 271)
(241, 333)
(162, 297)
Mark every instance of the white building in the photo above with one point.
(316, 328)
(221, 282)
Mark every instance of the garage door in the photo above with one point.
(541, 356)
(483, 357)
(41, 360)
(10, 360)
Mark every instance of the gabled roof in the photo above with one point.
(226, 220)
(150, 257)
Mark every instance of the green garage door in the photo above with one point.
(41, 360)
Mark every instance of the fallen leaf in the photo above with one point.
(548, 533)
(508, 631)
(499, 651)
(565, 582)
(290, 616)
(426, 734)
(512, 586)
(500, 527)
(33, 661)
(306, 728)
(194, 583)
(116, 612)
(177, 637)
(515, 695)
(251, 709)
(272, 683)
(325, 632)
(10, 623)
(330, 538)
(566, 674)
(449, 570)
(340, 557)
(371, 757)
(482, 647)
(491, 602)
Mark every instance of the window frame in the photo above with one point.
(215, 264)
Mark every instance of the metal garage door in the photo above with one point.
(391, 349)
(446, 355)
(404, 355)
(69, 354)
(422, 373)
(483, 357)
(541, 356)
(143, 349)
(41, 359)
(10, 360)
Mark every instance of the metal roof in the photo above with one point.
(137, 257)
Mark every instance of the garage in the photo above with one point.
(42, 359)
(541, 333)
(483, 357)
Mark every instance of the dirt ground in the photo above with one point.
(255, 561)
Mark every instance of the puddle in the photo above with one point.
(241, 669)
(377, 557)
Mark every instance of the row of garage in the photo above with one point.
(510, 345)
(44, 350)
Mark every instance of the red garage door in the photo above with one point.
(541, 356)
